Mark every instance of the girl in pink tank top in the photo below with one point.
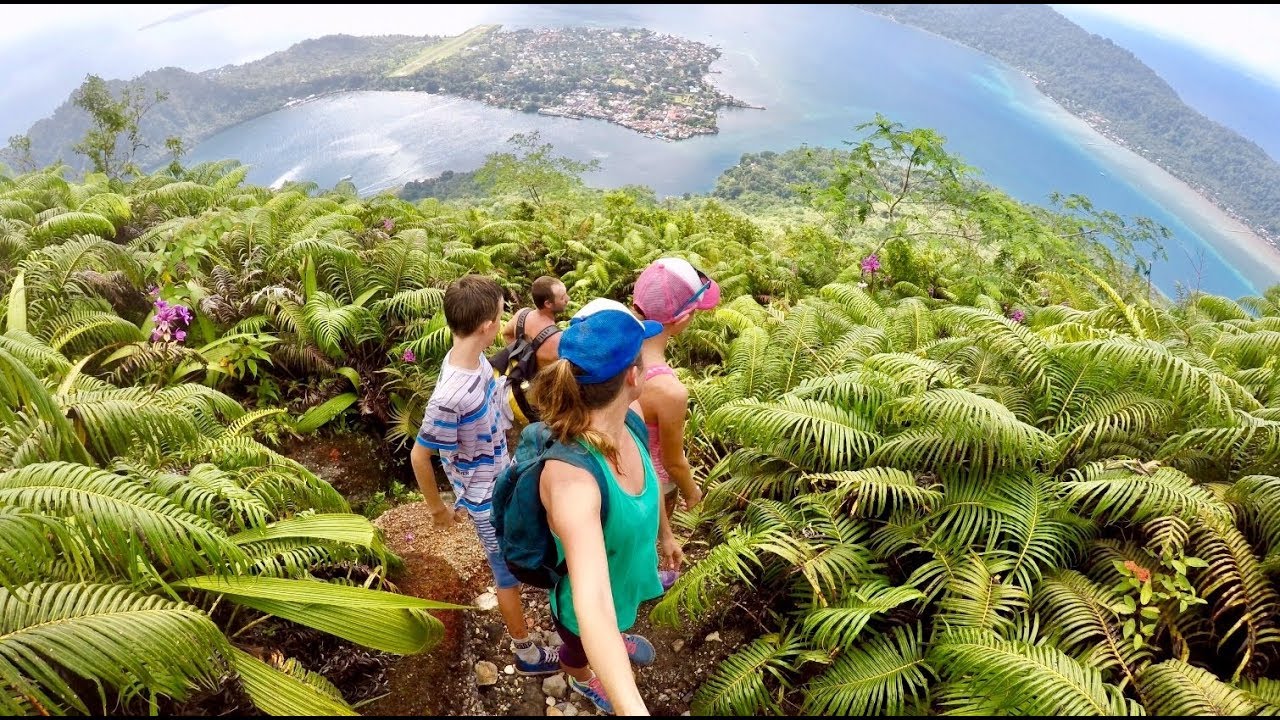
(669, 291)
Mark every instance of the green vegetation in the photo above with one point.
(445, 49)
(448, 185)
(958, 457)
(1120, 96)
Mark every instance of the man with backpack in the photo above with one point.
(533, 341)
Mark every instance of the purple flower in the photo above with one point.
(408, 537)
(870, 264)
(153, 291)
(1017, 316)
(408, 356)
(388, 224)
(168, 321)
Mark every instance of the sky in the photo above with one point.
(123, 41)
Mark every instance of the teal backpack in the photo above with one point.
(518, 517)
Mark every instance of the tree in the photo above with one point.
(20, 150)
(111, 118)
(176, 149)
(533, 169)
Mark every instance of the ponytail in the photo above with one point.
(565, 404)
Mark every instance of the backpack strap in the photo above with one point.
(545, 335)
(574, 454)
(520, 318)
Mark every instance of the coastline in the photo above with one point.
(1252, 256)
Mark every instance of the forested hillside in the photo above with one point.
(200, 104)
(1120, 96)
(957, 456)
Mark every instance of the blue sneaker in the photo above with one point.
(592, 690)
(639, 650)
(548, 662)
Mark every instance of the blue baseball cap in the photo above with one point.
(603, 339)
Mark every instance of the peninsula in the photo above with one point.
(649, 82)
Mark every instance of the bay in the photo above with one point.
(819, 71)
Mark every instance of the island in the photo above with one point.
(653, 83)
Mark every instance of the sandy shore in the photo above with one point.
(1253, 258)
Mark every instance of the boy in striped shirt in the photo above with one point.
(465, 424)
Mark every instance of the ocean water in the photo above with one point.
(819, 71)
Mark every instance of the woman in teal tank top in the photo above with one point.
(612, 566)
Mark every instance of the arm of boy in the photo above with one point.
(572, 499)
(438, 434)
(420, 459)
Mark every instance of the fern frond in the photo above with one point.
(1129, 491)
(739, 686)
(1176, 688)
(872, 491)
(118, 512)
(888, 675)
(808, 430)
(1026, 679)
(839, 624)
(106, 634)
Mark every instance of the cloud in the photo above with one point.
(1244, 35)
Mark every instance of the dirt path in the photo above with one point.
(449, 565)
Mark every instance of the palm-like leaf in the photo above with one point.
(1027, 679)
(808, 429)
(872, 491)
(380, 620)
(839, 624)
(280, 691)
(738, 687)
(106, 634)
(1176, 688)
(1084, 616)
(1133, 491)
(887, 675)
(117, 511)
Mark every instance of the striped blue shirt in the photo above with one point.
(465, 422)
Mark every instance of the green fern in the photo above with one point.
(740, 686)
(888, 675)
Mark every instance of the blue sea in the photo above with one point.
(819, 71)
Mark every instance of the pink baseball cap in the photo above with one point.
(671, 289)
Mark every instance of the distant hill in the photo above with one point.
(1117, 94)
(201, 104)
